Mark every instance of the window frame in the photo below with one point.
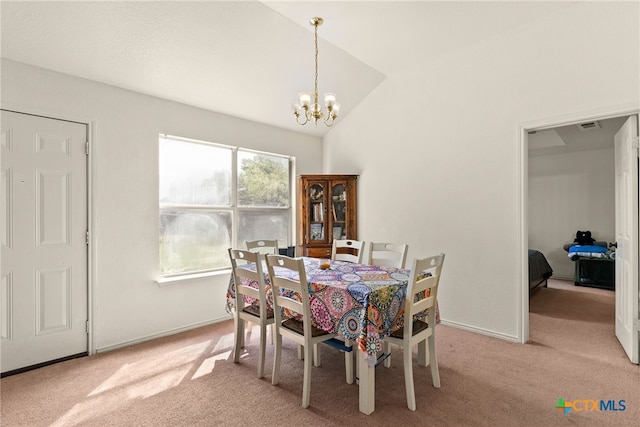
(233, 207)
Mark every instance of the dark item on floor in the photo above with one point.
(539, 270)
(595, 273)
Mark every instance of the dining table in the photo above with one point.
(360, 303)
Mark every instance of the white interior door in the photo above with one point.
(43, 292)
(626, 166)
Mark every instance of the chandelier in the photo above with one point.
(303, 109)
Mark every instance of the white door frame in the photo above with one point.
(523, 172)
(91, 124)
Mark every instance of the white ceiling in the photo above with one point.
(248, 58)
(572, 138)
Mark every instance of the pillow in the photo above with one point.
(588, 248)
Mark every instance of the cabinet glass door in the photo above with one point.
(317, 220)
(339, 211)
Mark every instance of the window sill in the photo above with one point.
(174, 280)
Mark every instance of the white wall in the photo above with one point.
(129, 305)
(437, 147)
(570, 192)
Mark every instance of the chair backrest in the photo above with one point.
(348, 250)
(241, 257)
(290, 288)
(422, 290)
(388, 254)
(263, 246)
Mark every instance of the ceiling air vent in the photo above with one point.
(589, 125)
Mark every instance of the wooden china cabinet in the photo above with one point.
(326, 211)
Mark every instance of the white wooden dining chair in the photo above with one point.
(258, 312)
(348, 250)
(422, 293)
(388, 254)
(293, 295)
(262, 246)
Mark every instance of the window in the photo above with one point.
(213, 197)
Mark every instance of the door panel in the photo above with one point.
(626, 169)
(43, 287)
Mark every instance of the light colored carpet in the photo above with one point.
(189, 379)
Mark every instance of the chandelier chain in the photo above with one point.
(315, 94)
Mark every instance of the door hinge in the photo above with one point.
(86, 148)
(87, 326)
(87, 237)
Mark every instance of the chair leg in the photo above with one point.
(263, 349)
(408, 378)
(275, 375)
(387, 354)
(435, 373)
(300, 352)
(238, 339)
(316, 355)
(423, 356)
(306, 384)
(243, 336)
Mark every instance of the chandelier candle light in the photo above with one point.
(303, 109)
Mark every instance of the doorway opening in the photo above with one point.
(594, 119)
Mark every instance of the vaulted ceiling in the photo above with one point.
(249, 58)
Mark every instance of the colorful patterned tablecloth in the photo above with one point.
(363, 303)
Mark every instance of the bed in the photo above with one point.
(539, 270)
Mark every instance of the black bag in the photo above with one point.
(584, 238)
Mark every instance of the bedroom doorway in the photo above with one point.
(564, 159)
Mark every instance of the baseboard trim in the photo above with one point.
(43, 364)
(562, 278)
(159, 335)
(482, 331)
(169, 332)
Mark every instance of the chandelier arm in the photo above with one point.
(329, 121)
(298, 119)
